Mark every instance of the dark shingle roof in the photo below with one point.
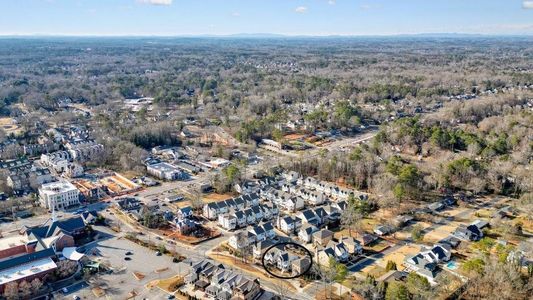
(308, 214)
(268, 226)
(67, 226)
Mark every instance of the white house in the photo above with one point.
(260, 248)
(241, 240)
(316, 198)
(337, 251)
(184, 212)
(241, 218)
(227, 221)
(286, 224)
(269, 230)
(291, 176)
(258, 212)
(293, 204)
(309, 217)
(306, 233)
(259, 233)
(250, 216)
(353, 246)
(211, 211)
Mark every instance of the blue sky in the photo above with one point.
(291, 17)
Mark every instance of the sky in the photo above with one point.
(288, 17)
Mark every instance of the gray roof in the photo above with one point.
(322, 234)
(26, 258)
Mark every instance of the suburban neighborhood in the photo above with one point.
(266, 150)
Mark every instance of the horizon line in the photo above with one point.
(272, 35)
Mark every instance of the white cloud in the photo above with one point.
(332, 2)
(155, 2)
(236, 14)
(301, 9)
(370, 6)
(527, 4)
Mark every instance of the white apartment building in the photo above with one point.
(61, 194)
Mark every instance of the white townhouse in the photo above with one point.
(227, 221)
(293, 204)
(286, 224)
(306, 232)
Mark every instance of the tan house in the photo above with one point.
(322, 237)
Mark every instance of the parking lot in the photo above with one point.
(121, 282)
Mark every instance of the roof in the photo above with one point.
(320, 212)
(89, 215)
(288, 220)
(474, 229)
(322, 234)
(186, 209)
(212, 205)
(309, 229)
(435, 206)
(13, 241)
(301, 263)
(230, 202)
(25, 270)
(67, 226)
(258, 230)
(440, 251)
(53, 188)
(308, 214)
(72, 254)
(480, 224)
(264, 244)
(450, 240)
(419, 261)
(342, 205)
(26, 258)
(268, 226)
(348, 240)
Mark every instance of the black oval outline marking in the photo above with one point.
(287, 243)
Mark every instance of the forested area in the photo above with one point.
(450, 116)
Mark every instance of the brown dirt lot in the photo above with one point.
(440, 232)
(294, 136)
(399, 255)
(206, 199)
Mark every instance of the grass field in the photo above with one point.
(171, 284)
(8, 125)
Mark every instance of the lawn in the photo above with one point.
(378, 246)
(399, 255)
(206, 199)
(440, 233)
(171, 284)
(8, 126)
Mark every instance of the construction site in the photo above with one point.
(105, 184)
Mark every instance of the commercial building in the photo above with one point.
(166, 171)
(60, 194)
